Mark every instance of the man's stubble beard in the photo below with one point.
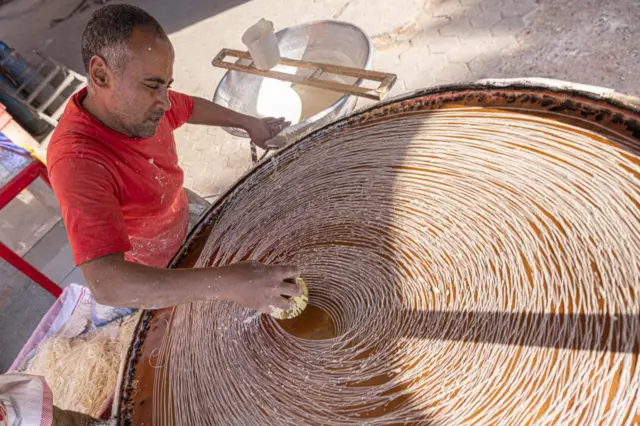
(145, 130)
(139, 130)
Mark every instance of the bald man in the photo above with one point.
(114, 169)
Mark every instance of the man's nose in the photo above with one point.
(163, 100)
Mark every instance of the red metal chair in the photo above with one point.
(33, 170)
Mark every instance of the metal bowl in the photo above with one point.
(331, 42)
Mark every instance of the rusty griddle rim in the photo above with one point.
(595, 104)
(625, 103)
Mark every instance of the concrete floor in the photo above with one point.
(31, 226)
(424, 42)
(22, 301)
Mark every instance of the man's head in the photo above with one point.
(129, 62)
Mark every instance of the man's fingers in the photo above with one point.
(274, 120)
(277, 122)
(289, 289)
(276, 128)
(276, 142)
(277, 302)
(283, 272)
(266, 309)
(282, 303)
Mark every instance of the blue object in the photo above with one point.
(21, 71)
(6, 143)
(14, 64)
(19, 111)
(103, 314)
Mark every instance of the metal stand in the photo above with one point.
(53, 79)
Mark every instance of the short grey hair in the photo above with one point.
(109, 31)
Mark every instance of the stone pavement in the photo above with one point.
(425, 43)
(448, 41)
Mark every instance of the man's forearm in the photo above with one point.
(117, 282)
(211, 114)
(261, 131)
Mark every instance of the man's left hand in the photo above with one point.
(262, 130)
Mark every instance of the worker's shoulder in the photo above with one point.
(77, 138)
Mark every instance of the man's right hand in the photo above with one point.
(261, 287)
(116, 282)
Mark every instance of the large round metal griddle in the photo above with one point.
(588, 107)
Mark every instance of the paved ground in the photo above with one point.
(22, 302)
(425, 43)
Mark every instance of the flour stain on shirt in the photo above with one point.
(160, 180)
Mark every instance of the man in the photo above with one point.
(113, 166)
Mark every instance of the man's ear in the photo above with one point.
(99, 73)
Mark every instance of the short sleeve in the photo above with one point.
(181, 109)
(87, 194)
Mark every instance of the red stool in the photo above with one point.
(8, 192)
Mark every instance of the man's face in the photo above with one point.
(138, 97)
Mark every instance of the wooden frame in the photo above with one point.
(386, 80)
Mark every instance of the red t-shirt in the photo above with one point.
(116, 193)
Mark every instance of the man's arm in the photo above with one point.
(116, 282)
(86, 192)
(260, 130)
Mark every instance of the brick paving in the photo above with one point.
(435, 43)
(425, 42)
